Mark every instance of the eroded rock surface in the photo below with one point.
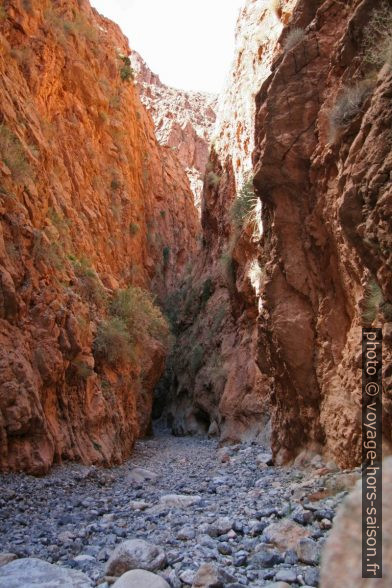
(90, 203)
(326, 203)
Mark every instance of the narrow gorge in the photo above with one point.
(184, 282)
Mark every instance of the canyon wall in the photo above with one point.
(90, 204)
(214, 380)
(184, 121)
(284, 284)
(322, 171)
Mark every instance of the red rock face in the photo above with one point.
(184, 121)
(89, 203)
(326, 213)
(294, 296)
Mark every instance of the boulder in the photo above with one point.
(31, 572)
(135, 554)
(140, 579)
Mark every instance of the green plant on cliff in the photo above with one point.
(3, 12)
(243, 211)
(13, 154)
(47, 252)
(295, 36)
(378, 36)
(61, 223)
(113, 342)
(82, 370)
(134, 229)
(372, 302)
(89, 285)
(133, 315)
(347, 105)
(213, 180)
(126, 71)
(80, 26)
(136, 308)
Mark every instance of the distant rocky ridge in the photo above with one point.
(184, 121)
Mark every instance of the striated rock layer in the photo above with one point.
(184, 121)
(291, 288)
(89, 203)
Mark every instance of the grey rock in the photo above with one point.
(290, 557)
(312, 577)
(32, 572)
(220, 527)
(187, 576)
(308, 551)
(139, 505)
(264, 459)
(303, 517)
(266, 557)
(324, 513)
(135, 554)
(186, 533)
(286, 576)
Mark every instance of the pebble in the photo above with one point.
(308, 551)
(286, 576)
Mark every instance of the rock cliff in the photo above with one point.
(324, 183)
(184, 121)
(90, 205)
(296, 220)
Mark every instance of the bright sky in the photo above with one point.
(189, 43)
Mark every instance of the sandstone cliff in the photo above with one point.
(90, 204)
(291, 272)
(184, 121)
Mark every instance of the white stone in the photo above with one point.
(141, 475)
(140, 579)
(179, 500)
(139, 505)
